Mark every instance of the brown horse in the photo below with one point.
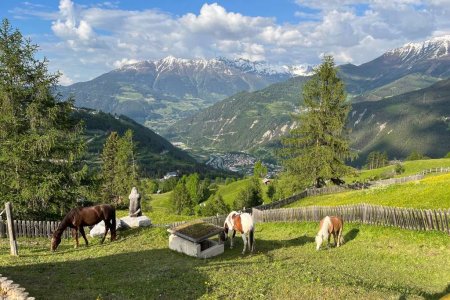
(86, 216)
(330, 226)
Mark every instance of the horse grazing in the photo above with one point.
(242, 222)
(330, 225)
(86, 216)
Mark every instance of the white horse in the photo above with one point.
(242, 222)
(330, 225)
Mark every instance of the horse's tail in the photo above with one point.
(340, 237)
(252, 239)
(113, 224)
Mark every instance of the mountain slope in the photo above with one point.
(159, 92)
(430, 58)
(244, 121)
(156, 156)
(416, 120)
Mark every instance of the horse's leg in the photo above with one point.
(231, 240)
(244, 238)
(251, 238)
(340, 238)
(113, 228)
(328, 243)
(83, 235)
(75, 236)
(106, 231)
(335, 239)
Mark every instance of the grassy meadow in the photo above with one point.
(430, 192)
(374, 263)
(411, 168)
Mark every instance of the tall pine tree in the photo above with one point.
(108, 171)
(316, 150)
(40, 144)
(119, 168)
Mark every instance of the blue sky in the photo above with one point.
(84, 39)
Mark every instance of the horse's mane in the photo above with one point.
(67, 219)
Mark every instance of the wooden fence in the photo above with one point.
(436, 170)
(32, 228)
(337, 189)
(408, 218)
(390, 181)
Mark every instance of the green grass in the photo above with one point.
(374, 263)
(430, 192)
(229, 192)
(411, 168)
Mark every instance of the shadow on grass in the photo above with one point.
(441, 295)
(264, 246)
(351, 235)
(148, 274)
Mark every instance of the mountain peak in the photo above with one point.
(433, 48)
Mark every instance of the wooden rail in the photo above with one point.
(33, 228)
(407, 218)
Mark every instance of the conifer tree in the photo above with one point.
(126, 167)
(119, 168)
(316, 150)
(40, 144)
(109, 170)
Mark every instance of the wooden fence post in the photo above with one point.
(11, 231)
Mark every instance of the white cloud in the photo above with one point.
(123, 62)
(94, 39)
(64, 79)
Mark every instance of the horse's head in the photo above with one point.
(56, 240)
(223, 236)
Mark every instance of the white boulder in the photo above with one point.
(99, 229)
(133, 222)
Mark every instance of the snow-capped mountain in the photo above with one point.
(434, 48)
(429, 59)
(162, 91)
(221, 65)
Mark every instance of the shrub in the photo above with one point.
(214, 206)
(415, 155)
(399, 168)
(181, 201)
(250, 196)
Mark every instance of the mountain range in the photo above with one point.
(401, 95)
(158, 93)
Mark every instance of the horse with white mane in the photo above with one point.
(242, 222)
(330, 225)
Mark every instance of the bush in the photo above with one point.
(387, 174)
(415, 155)
(214, 206)
(448, 155)
(399, 168)
(168, 185)
(270, 191)
(250, 196)
(181, 201)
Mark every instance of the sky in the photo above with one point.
(84, 39)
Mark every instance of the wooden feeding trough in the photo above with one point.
(192, 239)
